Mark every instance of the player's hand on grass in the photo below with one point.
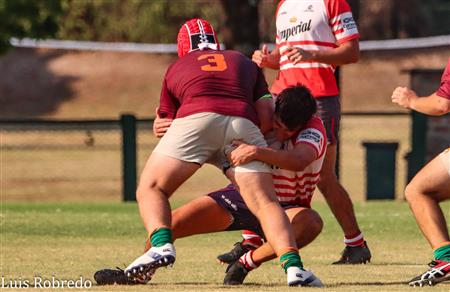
(403, 96)
(160, 125)
(242, 154)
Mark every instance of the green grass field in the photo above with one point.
(69, 240)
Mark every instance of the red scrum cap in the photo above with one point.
(196, 34)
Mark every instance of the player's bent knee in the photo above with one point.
(315, 223)
(414, 190)
(144, 190)
(308, 221)
(409, 193)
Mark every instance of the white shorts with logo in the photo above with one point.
(445, 158)
(204, 138)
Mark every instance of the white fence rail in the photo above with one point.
(426, 42)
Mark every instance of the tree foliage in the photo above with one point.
(388, 19)
(241, 24)
(25, 18)
(156, 21)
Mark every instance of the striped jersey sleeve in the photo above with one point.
(314, 135)
(341, 20)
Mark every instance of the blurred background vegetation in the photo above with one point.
(241, 24)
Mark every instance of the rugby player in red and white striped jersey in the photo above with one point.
(297, 187)
(308, 32)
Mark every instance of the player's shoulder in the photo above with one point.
(184, 61)
(335, 2)
(316, 123)
(336, 7)
(314, 129)
(313, 134)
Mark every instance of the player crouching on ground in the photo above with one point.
(296, 169)
(296, 156)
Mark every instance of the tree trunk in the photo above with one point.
(354, 5)
(241, 25)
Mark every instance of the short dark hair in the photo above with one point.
(295, 106)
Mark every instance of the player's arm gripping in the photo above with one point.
(296, 159)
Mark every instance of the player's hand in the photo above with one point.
(403, 96)
(160, 125)
(297, 55)
(260, 56)
(242, 154)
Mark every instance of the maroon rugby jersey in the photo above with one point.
(223, 82)
(444, 89)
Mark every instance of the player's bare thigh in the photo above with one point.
(433, 180)
(165, 173)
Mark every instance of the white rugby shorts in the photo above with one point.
(204, 138)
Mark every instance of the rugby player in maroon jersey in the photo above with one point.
(431, 185)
